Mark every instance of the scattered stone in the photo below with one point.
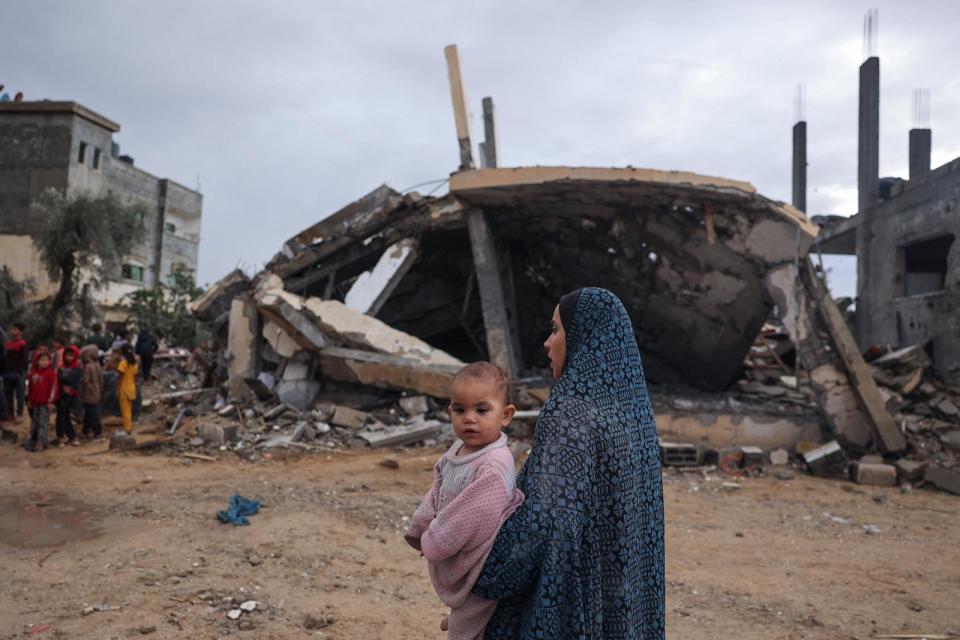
(245, 625)
(881, 475)
(233, 614)
(249, 605)
(949, 409)
(254, 560)
(871, 458)
(322, 427)
(350, 418)
(122, 441)
(317, 622)
(227, 410)
(946, 479)
(871, 529)
(390, 463)
(784, 474)
(951, 439)
(147, 629)
(414, 405)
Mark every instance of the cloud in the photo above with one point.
(290, 110)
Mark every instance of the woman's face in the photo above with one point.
(556, 345)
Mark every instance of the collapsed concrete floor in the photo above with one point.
(753, 558)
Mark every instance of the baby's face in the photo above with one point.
(478, 412)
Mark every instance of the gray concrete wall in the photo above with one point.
(35, 153)
(927, 207)
(133, 184)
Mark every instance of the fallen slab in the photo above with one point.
(380, 370)
(216, 301)
(372, 288)
(410, 433)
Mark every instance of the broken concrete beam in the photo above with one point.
(827, 461)
(373, 288)
(356, 330)
(217, 299)
(313, 323)
(910, 470)
(414, 405)
(946, 479)
(279, 340)
(286, 310)
(349, 418)
(881, 475)
(907, 358)
(242, 340)
(403, 434)
(379, 370)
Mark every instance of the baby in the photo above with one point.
(473, 493)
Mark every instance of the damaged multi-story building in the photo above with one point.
(395, 290)
(69, 147)
(904, 237)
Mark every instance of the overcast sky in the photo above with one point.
(285, 111)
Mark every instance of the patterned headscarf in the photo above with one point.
(583, 556)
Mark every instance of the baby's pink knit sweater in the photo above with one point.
(456, 524)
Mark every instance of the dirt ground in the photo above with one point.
(108, 545)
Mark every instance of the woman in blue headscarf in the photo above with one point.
(583, 556)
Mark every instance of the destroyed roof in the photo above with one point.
(686, 253)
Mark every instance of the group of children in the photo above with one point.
(64, 379)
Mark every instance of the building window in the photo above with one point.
(132, 272)
(82, 154)
(922, 266)
(96, 157)
(169, 227)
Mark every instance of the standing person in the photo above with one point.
(147, 345)
(42, 398)
(127, 370)
(473, 492)
(583, 556)
(15, 378)
(56, 352)
(5, 414)
(91, 390)
(98, 338)
(69, 377)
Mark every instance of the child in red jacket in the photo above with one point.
(69, 374)
(41, 398)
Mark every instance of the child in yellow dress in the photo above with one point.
(127, 370)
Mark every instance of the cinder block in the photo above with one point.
(827, 461)
(881, 475)
(230, 432)
(910, 470)
(674, 454)
(212, 434)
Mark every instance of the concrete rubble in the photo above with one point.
(352, 333)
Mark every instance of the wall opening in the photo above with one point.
(82, 153)
(923, 265)
(132, 272)
(96, 158)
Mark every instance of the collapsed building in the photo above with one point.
(396, 290)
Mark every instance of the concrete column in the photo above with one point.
(920, 144)
(460, 115)
(800, 165)
(488, 148)
(495, 317)
(868, 187)
(243, 340)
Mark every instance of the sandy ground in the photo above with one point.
(770, 559)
